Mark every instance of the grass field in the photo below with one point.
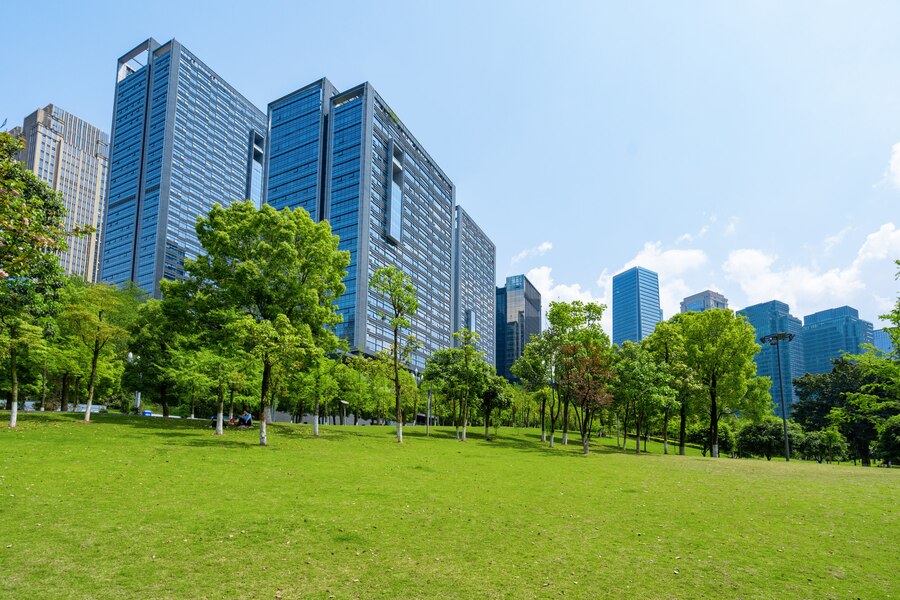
(150, 508)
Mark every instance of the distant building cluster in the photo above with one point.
(183, 139)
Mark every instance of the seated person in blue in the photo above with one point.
(245, 420)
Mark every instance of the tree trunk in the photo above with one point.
(713, 420)
(397, 384)
(666, 432)
(682, 428)
(637, 435)
(64, 395)
(14, 380)
(487, 419)
(231, 406)
(91, 379)
(220, 409)
(43, 386)
(565, 436)
(164, 399)
(864, 457)
(267, 374)
(316, 420)
(587, 444)
(543, 419)
(192, 406)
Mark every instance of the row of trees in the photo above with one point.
(253, 324)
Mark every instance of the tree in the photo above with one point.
(719, 350)
(495, 396)
(642, 385)
(31, 233)
(280, 272)
(666, 344)
(534, 369)
(98, 315)
(888, 446)
(397, 289)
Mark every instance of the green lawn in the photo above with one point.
(132, 507)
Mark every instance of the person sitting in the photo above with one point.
(245, 420)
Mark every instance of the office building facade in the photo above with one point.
(347, 158)
(775, 317)
(635, 305)
(182, 140)
(72, 156)
(881, 339)
(518, 320)
(705, 300)
(830, 333)
(474, 274)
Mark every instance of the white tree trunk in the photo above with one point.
(665, 446)
(87, 411)
(543, 437)
(715, 451)
(465, 425)
(316, 420)
(565, 438)
(587, 445)
(263, 441)
(219, 418)
(399, 432)
(551, 439)
(14, 413)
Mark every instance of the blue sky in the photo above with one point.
(748, 147)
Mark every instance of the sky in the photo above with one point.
(752, 148)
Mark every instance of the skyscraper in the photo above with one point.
(182, 140)
(635, 305)
(474, 258)
(830, 333)
(518, 319)
(704, 301)
(881, 339)
(346, 157)
(775, 317)
(73, 157)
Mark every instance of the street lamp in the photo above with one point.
(774, 339)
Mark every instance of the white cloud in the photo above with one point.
(667, 262)
(731, 228)
(833, 240)
(892, 175)
(882, 244)
(542, 279)
(538, 250)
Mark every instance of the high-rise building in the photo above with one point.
(830, 333)
(346, 157)
(182, 140)
(705, 300)
(635, 304)
(72, 156)
(518, 320)
(775, 317)
(474, 258)
(881, 339)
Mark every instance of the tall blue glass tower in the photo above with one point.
(518, 320)
(474, 274)
(346, 157)
(182, 140)
(635, 304)
(775, 317)
(830, 333)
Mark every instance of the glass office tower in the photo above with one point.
(474, 258)
(881, 339)
(705, 300)
(775, 317)
(72, 156)
(635, 304)
(518, 319)
(182, 140)
(385, 197)
(830, 333)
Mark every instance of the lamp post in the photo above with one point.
(773, 340)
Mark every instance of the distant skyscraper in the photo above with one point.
(346, 157)
(474, 257)
(182, 140)
(518, 319)
(635, 305)
(704, 301)
(775, 317)
(73, 157)
(830, 333)
(882, 340)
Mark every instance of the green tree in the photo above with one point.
(667, 346)
(398, 291)
(888, 446)
(98, 315)
(534, 369)
(280, 272)
(719, 350)
(641, 386)
(31, 233)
